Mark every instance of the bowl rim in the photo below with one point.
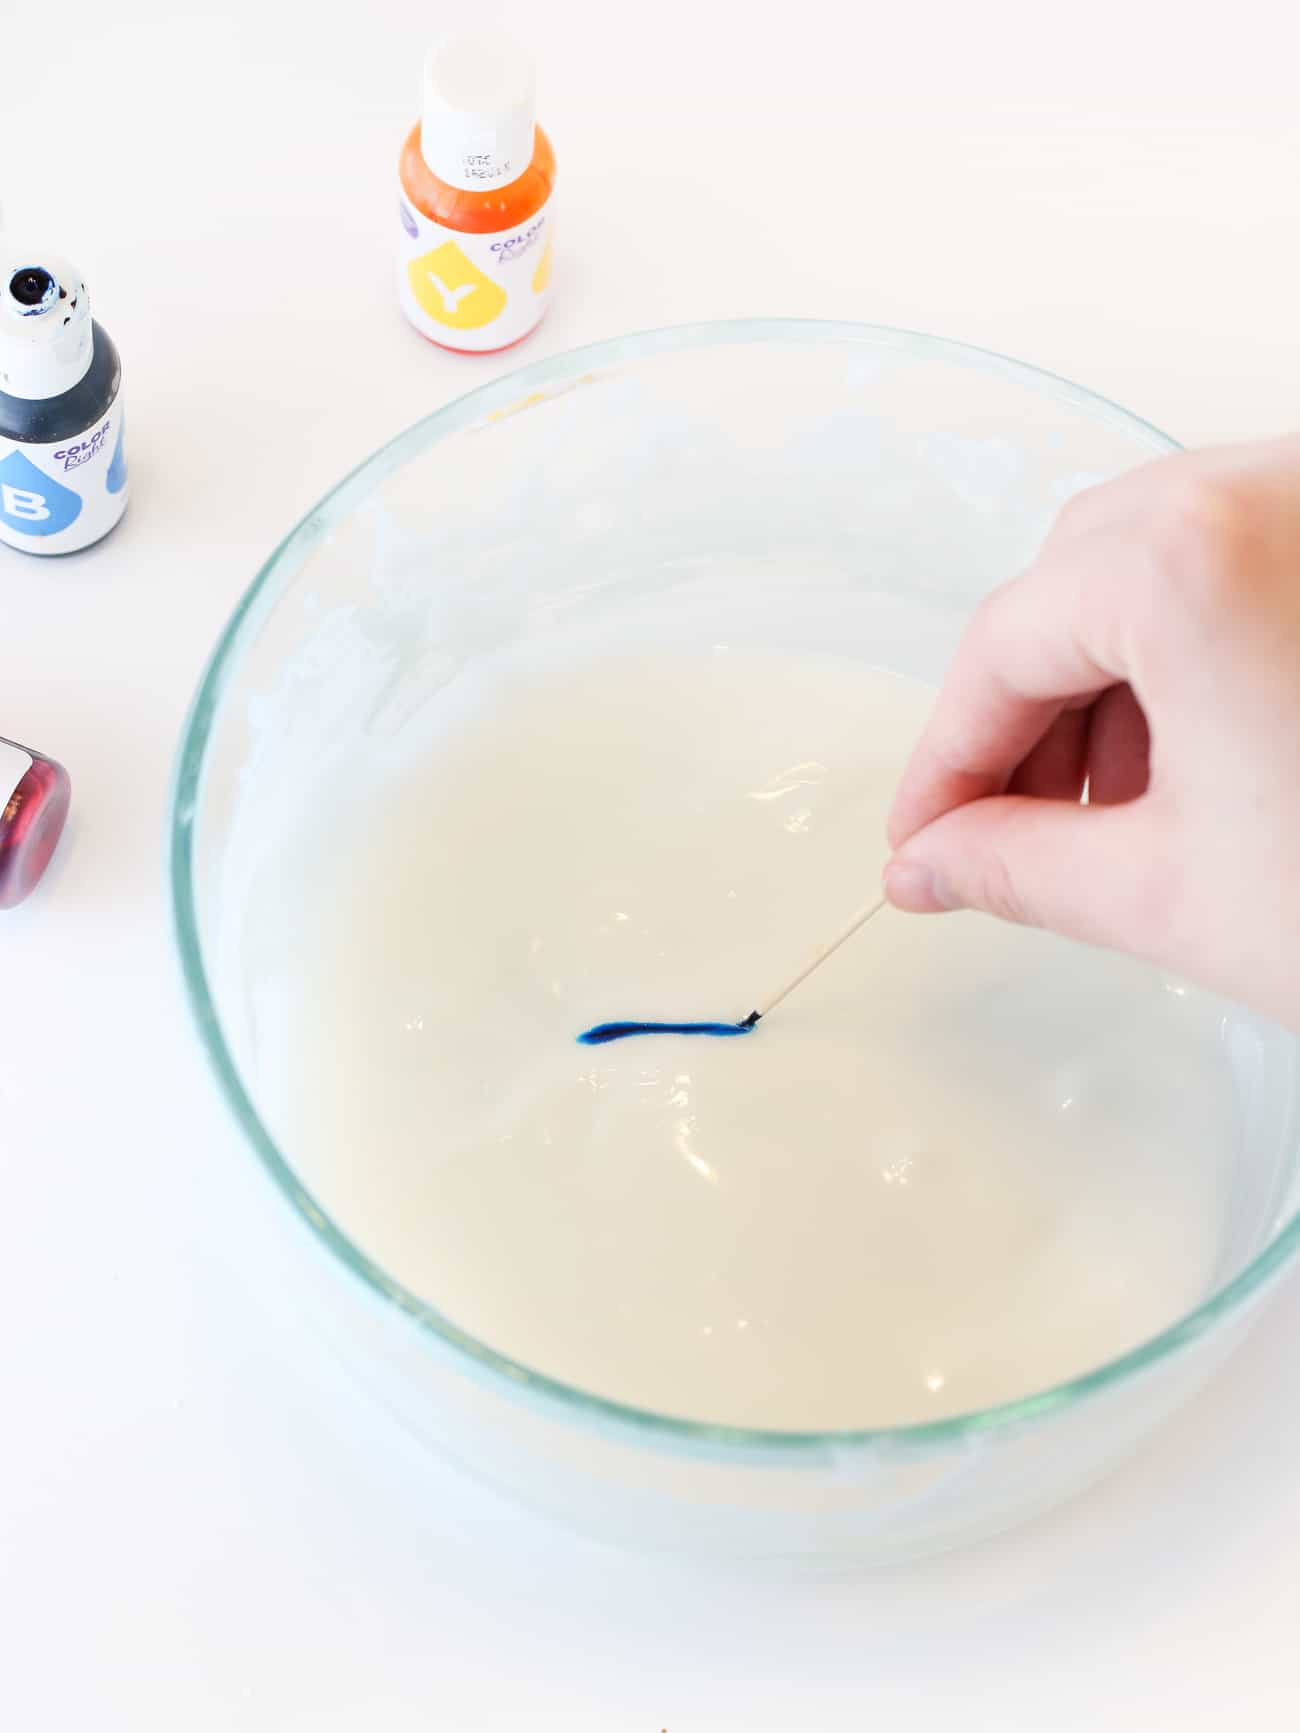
(509, 1376)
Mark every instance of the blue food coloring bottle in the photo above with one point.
(62, 461)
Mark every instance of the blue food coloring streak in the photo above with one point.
(600, 1033)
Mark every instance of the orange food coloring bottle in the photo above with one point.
(477, 173)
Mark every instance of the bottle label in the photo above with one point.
(473, 292)
(14, 765)
(62, 496)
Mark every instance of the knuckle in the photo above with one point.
(1002, 892)
(1079, 513)
(1002, 895)
(1202, 539)
(987, 627)
(982, 623)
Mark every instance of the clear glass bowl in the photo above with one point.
(901, 476)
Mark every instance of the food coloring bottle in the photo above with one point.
(62, 467)
(477, 172)
(34, 796)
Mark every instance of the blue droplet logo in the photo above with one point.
(32, 502)
(116, 478)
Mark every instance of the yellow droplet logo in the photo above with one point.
(453, 291)
(542, 275)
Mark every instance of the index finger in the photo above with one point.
(1039, 643)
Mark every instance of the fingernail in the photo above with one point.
(917, 889)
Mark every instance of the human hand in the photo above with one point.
(1152, 651)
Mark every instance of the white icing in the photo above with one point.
(963, 1163)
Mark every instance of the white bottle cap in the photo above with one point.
(46, 339)
(479, 120)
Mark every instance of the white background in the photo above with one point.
(200, 1527)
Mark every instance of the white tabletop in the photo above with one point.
(200, 1525)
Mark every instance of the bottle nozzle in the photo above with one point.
(33, 287)
(46, 339)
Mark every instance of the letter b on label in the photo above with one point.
(21, 504)
(33, 502)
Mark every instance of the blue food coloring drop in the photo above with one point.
(601, 1033)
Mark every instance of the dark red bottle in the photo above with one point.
(34, 797)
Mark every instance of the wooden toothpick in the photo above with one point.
(601, 1033)
(815, 962)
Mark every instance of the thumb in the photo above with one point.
(1087, 872)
